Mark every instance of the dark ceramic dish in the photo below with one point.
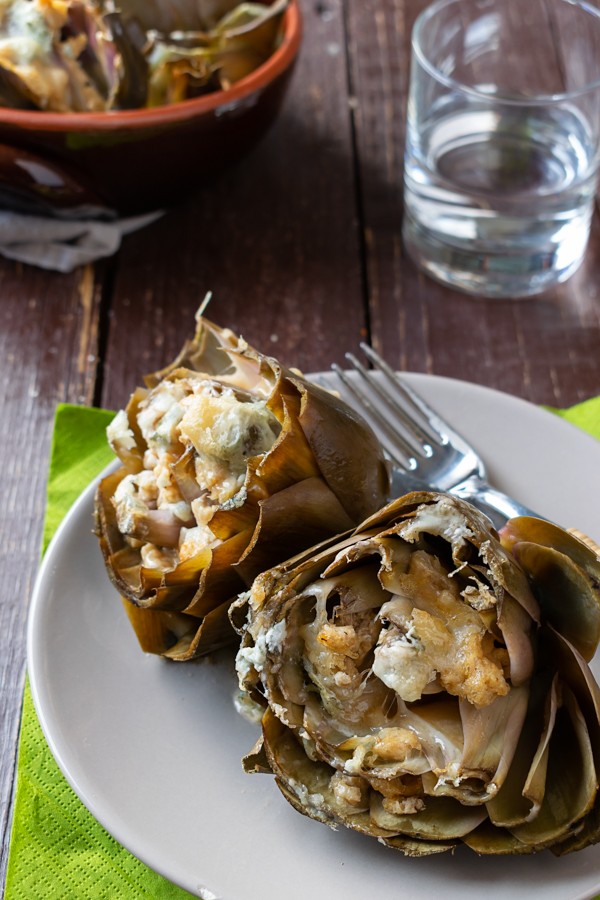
(138, 160)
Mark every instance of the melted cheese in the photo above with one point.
(433, 635)
(178, 417)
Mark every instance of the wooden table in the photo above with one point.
(301, 247)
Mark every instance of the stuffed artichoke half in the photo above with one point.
(230, 464)
(427, 684)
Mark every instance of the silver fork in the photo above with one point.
(425, 452)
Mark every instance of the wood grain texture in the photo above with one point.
(48, 328)
(543, 349)
(276, 240)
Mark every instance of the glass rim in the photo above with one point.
(430, 11)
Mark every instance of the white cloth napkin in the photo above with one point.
(64, 244)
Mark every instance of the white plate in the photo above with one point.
(153, 748)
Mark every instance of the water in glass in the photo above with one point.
(499, 197)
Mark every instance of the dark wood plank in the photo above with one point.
(48, 336)
(276, 240)
(543, 349)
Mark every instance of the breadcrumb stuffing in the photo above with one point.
(218, 430)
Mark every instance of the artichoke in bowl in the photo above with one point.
(425, 681)
(230, 464)
(90, 56)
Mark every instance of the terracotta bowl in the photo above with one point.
(134, 161)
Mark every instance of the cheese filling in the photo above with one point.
(392, 663)
(199, 436)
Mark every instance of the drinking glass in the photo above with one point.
(503, 142)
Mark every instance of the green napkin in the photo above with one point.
(585, 415)
(58, 851)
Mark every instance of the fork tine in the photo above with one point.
(447, 463)
(422, 441)
(431, 420)
(396, 447)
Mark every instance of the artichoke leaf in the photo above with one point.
(211, 351)
(576, 673)
(488, 840)
(129, 40)
(479, 750)
(178, 636)
(211, 633)
(256, 760)
(289, 460)
(177, 74)
(246, 17)
(245, 38)
(304, 783)
(534, 788)
(350, 590)
(180, 577)
(516, 628)
(106, 527)
(566, 575)
(571, 781)
(546, 534)
(218, 577)
(185, 62)
(14, 92)
(569, 598)
(183, 471)
(131, 411)
(241, 513)
(512, 805)
(441, 819)
(329, 736)
(356, 551)
(307, 784)
(158, 630)
(98, 60)
(329, 429)
(293, 576)
(587, 832)
(416, 848)
(485, 761)
(438, 726)
(176, 15)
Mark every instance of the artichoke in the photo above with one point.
(426, 682)
(56, 55)
(230, 464)
(95, 55)
(189, 62)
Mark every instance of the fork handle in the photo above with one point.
(495, 504)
